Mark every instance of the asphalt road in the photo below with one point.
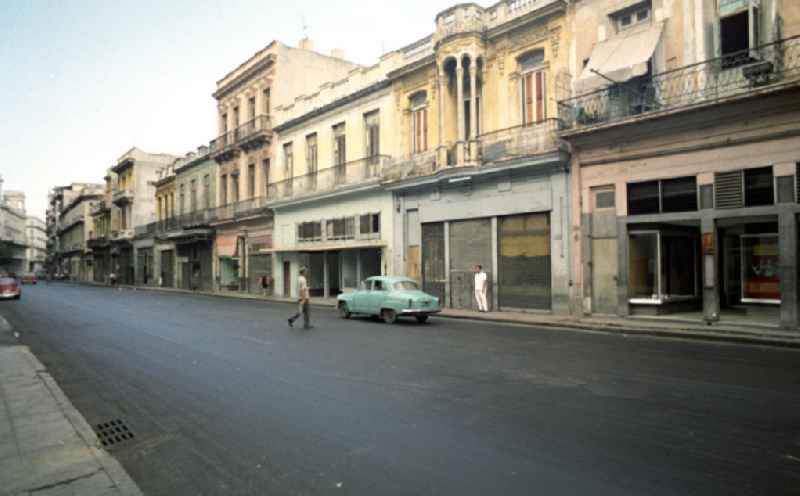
(224, 398)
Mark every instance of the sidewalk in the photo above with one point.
(46, 446)
(651, 326)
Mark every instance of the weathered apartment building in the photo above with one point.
(246, 97)
(66, 244)
(74, 231)
(36, 241)
(185, 201)
(13, 240)
(624, 157)
(442, 156)
(685, 149)
(133, 203)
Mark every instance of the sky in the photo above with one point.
(81, 82)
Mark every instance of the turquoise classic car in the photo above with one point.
(389, 298)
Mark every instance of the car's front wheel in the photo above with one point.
(389, 316)
(344, 312)
(421, 319)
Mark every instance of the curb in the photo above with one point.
(111, 466)
(683, 333)
(575, 325)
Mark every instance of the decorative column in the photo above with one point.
(473, 111)
(460, 112)
(442, 150)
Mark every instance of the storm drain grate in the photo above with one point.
(114, 432)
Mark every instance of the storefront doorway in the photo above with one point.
(663, 269)
(749, 271)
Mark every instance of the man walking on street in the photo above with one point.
(481, 284)
(302, 302)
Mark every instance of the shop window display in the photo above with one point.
(760, 269)
(662, 267)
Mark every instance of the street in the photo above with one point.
(224, 398)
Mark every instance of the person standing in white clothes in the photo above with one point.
(481, 284)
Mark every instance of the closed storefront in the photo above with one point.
(470, 245)
(433, 268)
(144, 266)
(524, 275)
(260, 266)
(194, 264)
(168, 268)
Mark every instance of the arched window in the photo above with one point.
(533, 86)
(419, 121)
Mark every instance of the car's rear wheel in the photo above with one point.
(389, 316)
(344, 312)
(421, 319)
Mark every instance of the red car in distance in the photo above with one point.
(10, 288)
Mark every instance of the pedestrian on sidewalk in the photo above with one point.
(265, 280)
(481, 284)
(302, 301)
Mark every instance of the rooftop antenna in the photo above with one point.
(304, 26)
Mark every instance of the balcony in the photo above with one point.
(519, 142)
(344, 176)
(419, 164)
(741, 75)
(99, 208)
(249, 136)
(254, 134)
(122, 235)
(97, 242)
(122, 197)
(238, 210)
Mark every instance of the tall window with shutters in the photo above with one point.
(372, 138)
(339, 153)
(533, 87)
(419, 122)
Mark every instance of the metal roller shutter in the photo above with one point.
(470, 245)
(524, 261)
(433, 272)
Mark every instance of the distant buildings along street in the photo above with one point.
(595, 158)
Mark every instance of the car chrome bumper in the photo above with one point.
(419, 311)
(8, 296)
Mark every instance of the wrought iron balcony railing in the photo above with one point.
(251, 134)
(237, 210)
(519, 141)
(329, 179)
(416, 165)
(734, 75)
(122, 196)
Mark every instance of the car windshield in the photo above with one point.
(405, 285)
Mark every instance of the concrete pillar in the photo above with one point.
(326, 292)
(460, 112)
(709, 263)
(787, 247)
(623, 309)
(358, 267)
(442, 150)
(495, 267)
(473, 111)
(447, 264)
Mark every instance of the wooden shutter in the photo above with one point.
(527, 98)
(539, 96)
(424, 141)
